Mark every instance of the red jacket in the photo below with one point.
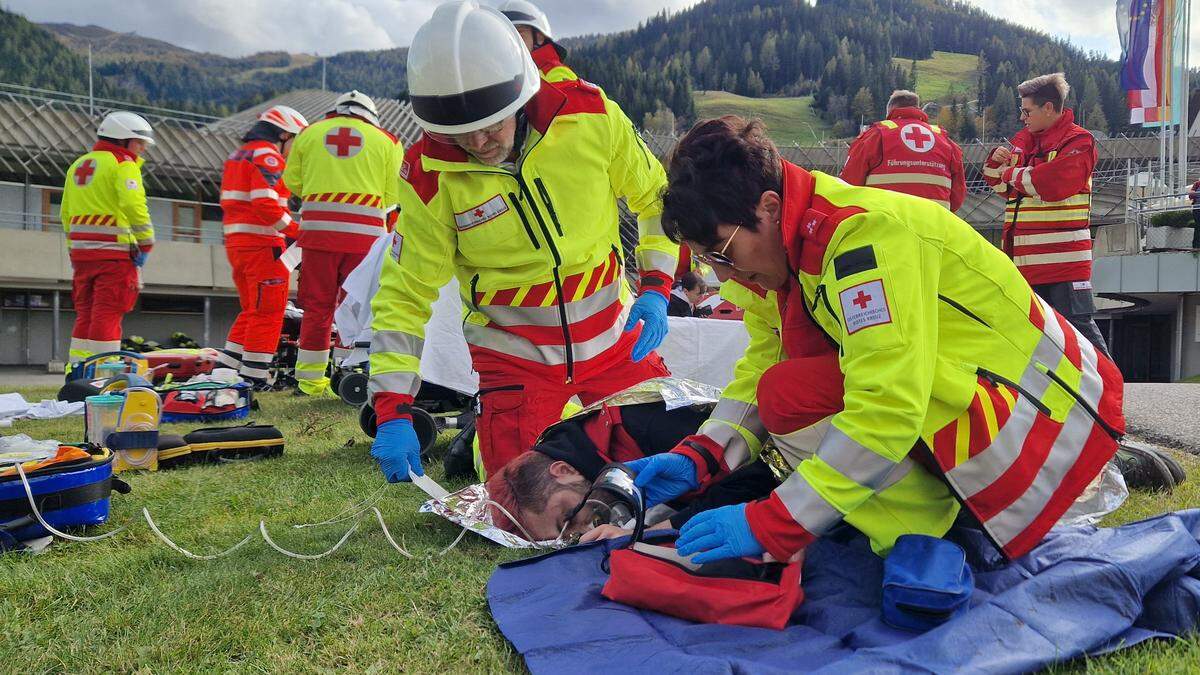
(254, 198)
(1048, 185)
(904, 153)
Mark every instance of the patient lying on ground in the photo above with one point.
(542, 488)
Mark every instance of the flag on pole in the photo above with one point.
(1147, 30)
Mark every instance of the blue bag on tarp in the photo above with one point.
(926, 582)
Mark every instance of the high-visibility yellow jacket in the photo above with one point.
(941, 342)
(104, 205)
(535, 247)
(346, 171)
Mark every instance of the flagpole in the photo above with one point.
(1185, 95)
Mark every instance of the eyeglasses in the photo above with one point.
(719, 257)
(1023, 112)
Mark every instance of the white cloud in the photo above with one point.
(240, 27)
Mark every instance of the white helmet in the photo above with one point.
(121, 124)
(357, 103)
(286, 118)
(468, 69)
(525, 13)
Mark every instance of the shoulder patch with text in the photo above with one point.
(478, 215)
(865, 305)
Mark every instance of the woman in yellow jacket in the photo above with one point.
(951, 366)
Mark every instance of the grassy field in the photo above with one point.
(129, 604)
(945, 74)
(788, 120)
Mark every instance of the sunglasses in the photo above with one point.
(719, 257)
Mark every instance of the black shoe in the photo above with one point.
(1145, 468)
(259, 386)
(460, 460)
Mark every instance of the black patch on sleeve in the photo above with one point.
(854, 261)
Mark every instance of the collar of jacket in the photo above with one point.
(121, 153)
(797, 199)
(540, 111)
(548, 56)
(908, 113)
(1053, 136)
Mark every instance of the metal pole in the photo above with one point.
(1184, 96)
(55, 330)
(207, 320)
(91, 96)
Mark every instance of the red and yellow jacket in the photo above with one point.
(104, 209)
(254, 199)
(905, 153)
(548, 60)
(535, 248)
(1048, 185)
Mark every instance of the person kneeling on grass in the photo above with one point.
(543, 487)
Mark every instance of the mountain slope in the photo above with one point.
(31, 57)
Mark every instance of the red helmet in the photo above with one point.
(287, 119)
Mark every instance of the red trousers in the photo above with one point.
(797, 393)
(262, 284)
(321, 277)
(102, 291)
(515, 405)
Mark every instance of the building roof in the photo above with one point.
(395, 116)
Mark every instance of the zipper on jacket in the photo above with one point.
(1084, 404)
(537, 245)
(962, 309)
(821, 294)
(549, 205)
(997, 380)
(568, 347)
(475, 292)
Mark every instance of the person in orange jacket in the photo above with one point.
(257, 226)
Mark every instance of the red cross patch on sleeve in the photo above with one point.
(865, 305)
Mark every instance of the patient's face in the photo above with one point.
(569, 487)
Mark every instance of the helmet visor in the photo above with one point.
(462, 110)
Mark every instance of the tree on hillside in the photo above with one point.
(1003, 112)
(1095, 117)
(911, 83)
(863, 106)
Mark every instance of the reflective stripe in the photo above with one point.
(991, 172)
(249, 228)
(650, 260)
(806, 506)
(1058, 237)
(257, 373)
(919, 178)
(98, 245)
(1051, 258)
(284, 222)
(740, 414)
(802, 443)
(247, 196)
(259, 152)
(110, 230)
(102, 346)
(395, 383)
(1000, 187)
(384, 341)
(732, 438)
(229, 359)
(553, 355)
(333, 226)
(1078, 215)
(258, 357)
(651, 225)
(579, 310)
(889, 124)
(234, 347)
(855, 460)
(1026, 182)
(311, 364)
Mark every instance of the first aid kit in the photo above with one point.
(926, 582)
(103, 366)
(207, 402)
(70, 487)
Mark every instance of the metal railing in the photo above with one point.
(208, 232)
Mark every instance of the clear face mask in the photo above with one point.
(613, 499)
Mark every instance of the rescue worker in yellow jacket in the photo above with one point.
(950, 366)
(345, 168)
(109, 233)
(534, 28)
(513, 190)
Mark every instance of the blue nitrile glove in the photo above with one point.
(664, 476)
(397, 450)
(718, 534)
(651, 309)
(139, 258)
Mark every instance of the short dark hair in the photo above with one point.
(690, 281)
(522, 485)
(716, 174)
(1052, 88)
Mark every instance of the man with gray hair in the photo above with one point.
(905, 153)
(1046, 178)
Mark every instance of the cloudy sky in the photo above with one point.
(240, 27)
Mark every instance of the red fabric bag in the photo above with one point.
(737, 592)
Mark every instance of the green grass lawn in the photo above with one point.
(130, 604)
(943, 75)
(788, 120)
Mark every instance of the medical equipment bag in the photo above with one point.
(926, 582)
(71, 489)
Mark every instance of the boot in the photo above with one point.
(1146, 468)
(460, 459)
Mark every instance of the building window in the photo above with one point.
(51, 209)
(186, 222)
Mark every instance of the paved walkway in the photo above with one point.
(13, 377)
(1168, 414)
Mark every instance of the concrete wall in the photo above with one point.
(1189, 361)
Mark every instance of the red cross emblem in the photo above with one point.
(917, 138)
(343, 142)
(83, 172)
(862, 300)
(478, 213)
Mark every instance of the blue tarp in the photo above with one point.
(1082, 591)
